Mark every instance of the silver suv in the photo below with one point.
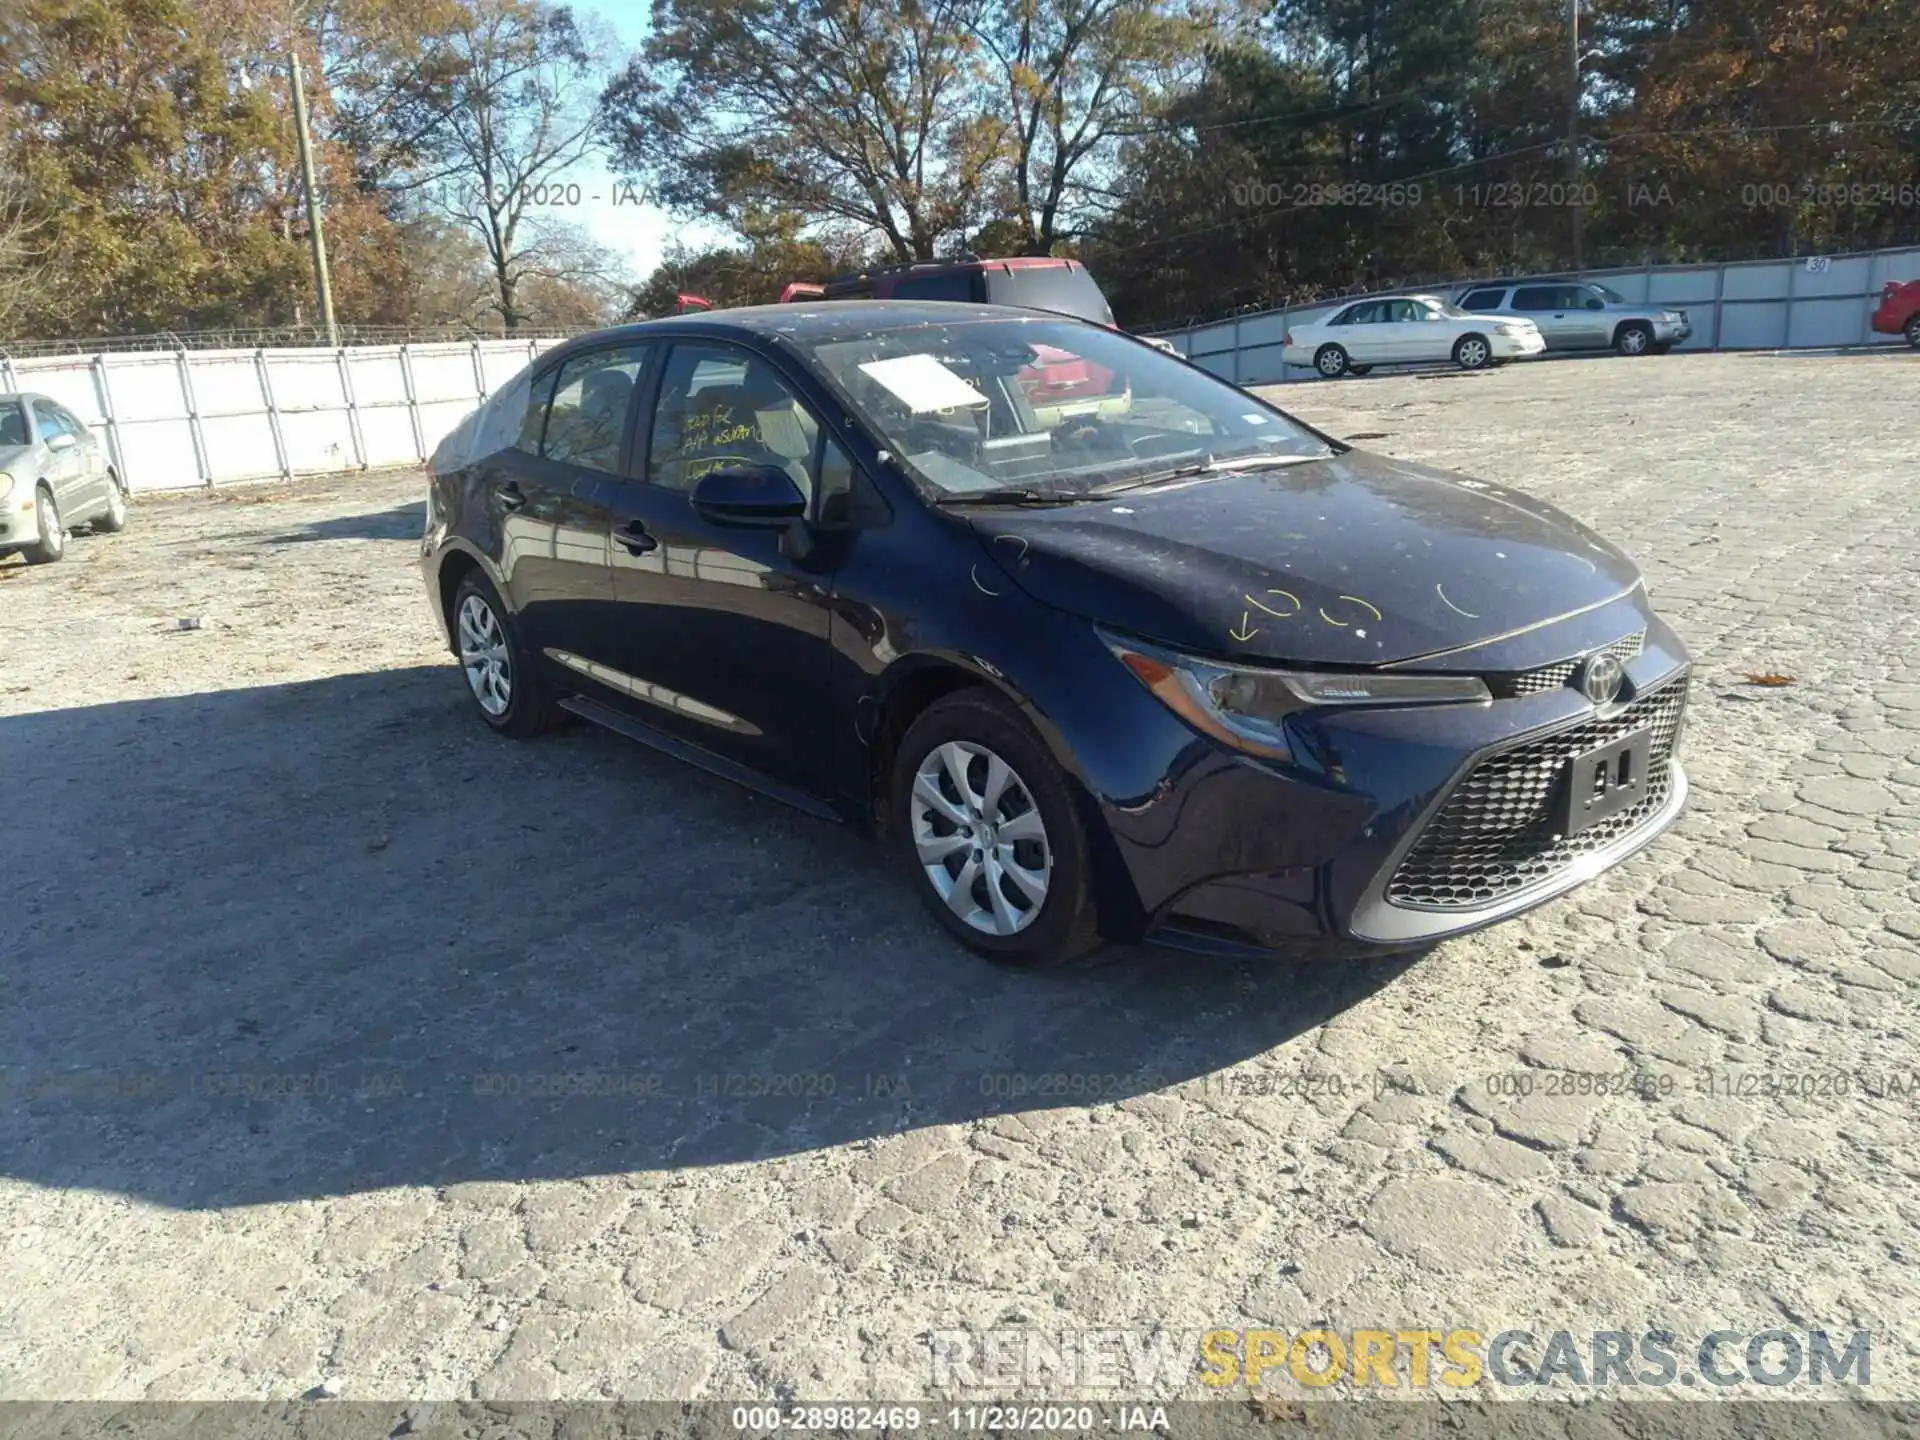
(1581, 315)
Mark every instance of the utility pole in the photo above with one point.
(314, 233)
(1573, 136)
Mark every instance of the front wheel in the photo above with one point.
(986, 826)
(513, 696)
(1472, 352)
(1913, 331)
(1634, 338)
(1331, 361)
(50, 541)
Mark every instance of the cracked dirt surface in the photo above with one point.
(343, 1040)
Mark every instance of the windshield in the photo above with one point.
(1063, 289)
(1612, 296)
(1046, 409)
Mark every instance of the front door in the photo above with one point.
(722, 633)
(66, 471)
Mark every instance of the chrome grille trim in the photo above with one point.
(1538, 681)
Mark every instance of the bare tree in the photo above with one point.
(25, 252)
(518, 107)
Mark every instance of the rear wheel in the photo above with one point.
(1634, 338)
(986, 826)
(1913, 330)
(1472, 352)
(1331, 361)
(51, 541)
(115, 518)
(513, 696)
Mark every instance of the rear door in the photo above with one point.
(1362, 331)
(1546, 306)
(547, 497)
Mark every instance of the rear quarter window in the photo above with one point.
(1063, 289)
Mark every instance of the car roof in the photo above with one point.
(808, 319)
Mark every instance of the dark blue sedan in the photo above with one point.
(1100, 646)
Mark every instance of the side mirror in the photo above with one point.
(756, 496)
(62, 441)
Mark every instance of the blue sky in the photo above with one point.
(639, 232)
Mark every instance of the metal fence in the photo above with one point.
(175, 419)
(1813, 302)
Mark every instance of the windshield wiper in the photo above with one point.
(1206, 466)
(1008, 495)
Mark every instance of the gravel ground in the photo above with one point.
(292, 946)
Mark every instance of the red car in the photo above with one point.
(1899, 312)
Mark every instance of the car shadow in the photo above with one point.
(402, 522)
(309, 939)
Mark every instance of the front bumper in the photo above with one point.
(1513, 347)
(1393, 828)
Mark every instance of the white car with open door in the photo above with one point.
(1408, 330)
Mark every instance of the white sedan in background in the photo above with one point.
(1408, 330)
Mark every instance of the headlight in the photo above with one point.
(1246, 707)
(6, 484)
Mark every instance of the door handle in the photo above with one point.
(510, 496)
(634, 536)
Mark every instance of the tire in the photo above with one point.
(930, 819)
(51, 543)
(1359, 369)
(1634, 338)
(1331, 361)
(1913, 330)
(509, 690)
(1472, 352)
(115, 519)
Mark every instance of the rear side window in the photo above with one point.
(1063, 289)
(1483, 299)
(950, 286)
(1537, 297)
(587, 417)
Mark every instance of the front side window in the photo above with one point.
(52, 421)
(587, 417)
(1051, 406)
(721, 406)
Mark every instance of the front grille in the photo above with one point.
(1551, 677)
(1495, 834)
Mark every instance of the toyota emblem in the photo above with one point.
(1601, 678)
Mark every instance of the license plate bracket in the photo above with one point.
(1605, 780)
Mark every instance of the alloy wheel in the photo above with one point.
(1634, 341)
(980, 838)
(483, 654)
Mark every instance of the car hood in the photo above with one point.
(1352, 560)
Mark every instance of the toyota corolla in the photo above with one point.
(1177, 667)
